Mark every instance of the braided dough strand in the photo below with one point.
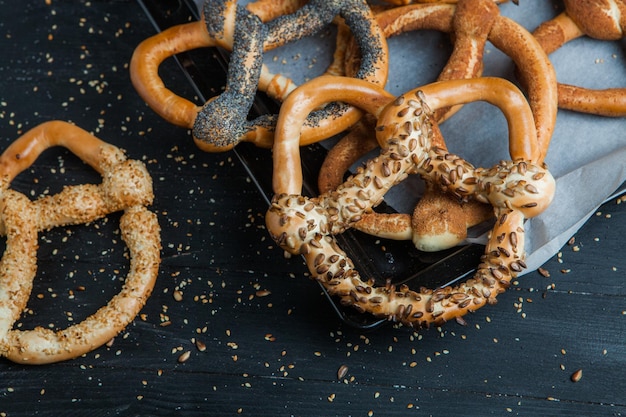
(126, 186)
(516, 189)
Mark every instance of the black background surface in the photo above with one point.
(273, 342)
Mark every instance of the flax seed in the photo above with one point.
(201, 346)
(184, 356)
(577, 375)
(342, 372)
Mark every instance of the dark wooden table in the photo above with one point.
(274, 343)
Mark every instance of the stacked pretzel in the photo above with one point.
(350, 95)
(221, 123)
(405, 128)
(438, 221)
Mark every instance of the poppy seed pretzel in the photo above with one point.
(598, 19)
(517, 189)
(222, 121)
(126, 186)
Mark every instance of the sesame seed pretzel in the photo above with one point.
(126, 186)
(222, 122)
(598, 19)
(440, 221)
(517, 189)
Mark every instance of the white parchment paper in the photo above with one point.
(587, 154)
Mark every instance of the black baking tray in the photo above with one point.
(382, 260)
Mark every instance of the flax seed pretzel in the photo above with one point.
(222, 122)
(439, 221)
(517, 189)
(126, 186)
(599, 19)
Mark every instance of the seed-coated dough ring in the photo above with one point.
(599, 19)
(517, 189)
(126, 186)
(222, 122)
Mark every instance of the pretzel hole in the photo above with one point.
(303, 58)
(399, 262)
(478, 133)
(55, 168)
(574, 65)
(79, 269)
(416, 58)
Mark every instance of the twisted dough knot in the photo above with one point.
(516, 189)
(599, 19)
(222, 121)
(297, 222)
(126, 186)
(125, 183)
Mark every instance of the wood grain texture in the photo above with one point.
(273, 342)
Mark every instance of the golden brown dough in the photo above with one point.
(517, 189)
(599, 19)
(126, 185)
(222, 122)
(438, 221)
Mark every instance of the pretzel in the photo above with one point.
(126, 186)
(599, 19)
(222, 122)
(408, 2)
(268, 10)
(517, 189)
(439, 221)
